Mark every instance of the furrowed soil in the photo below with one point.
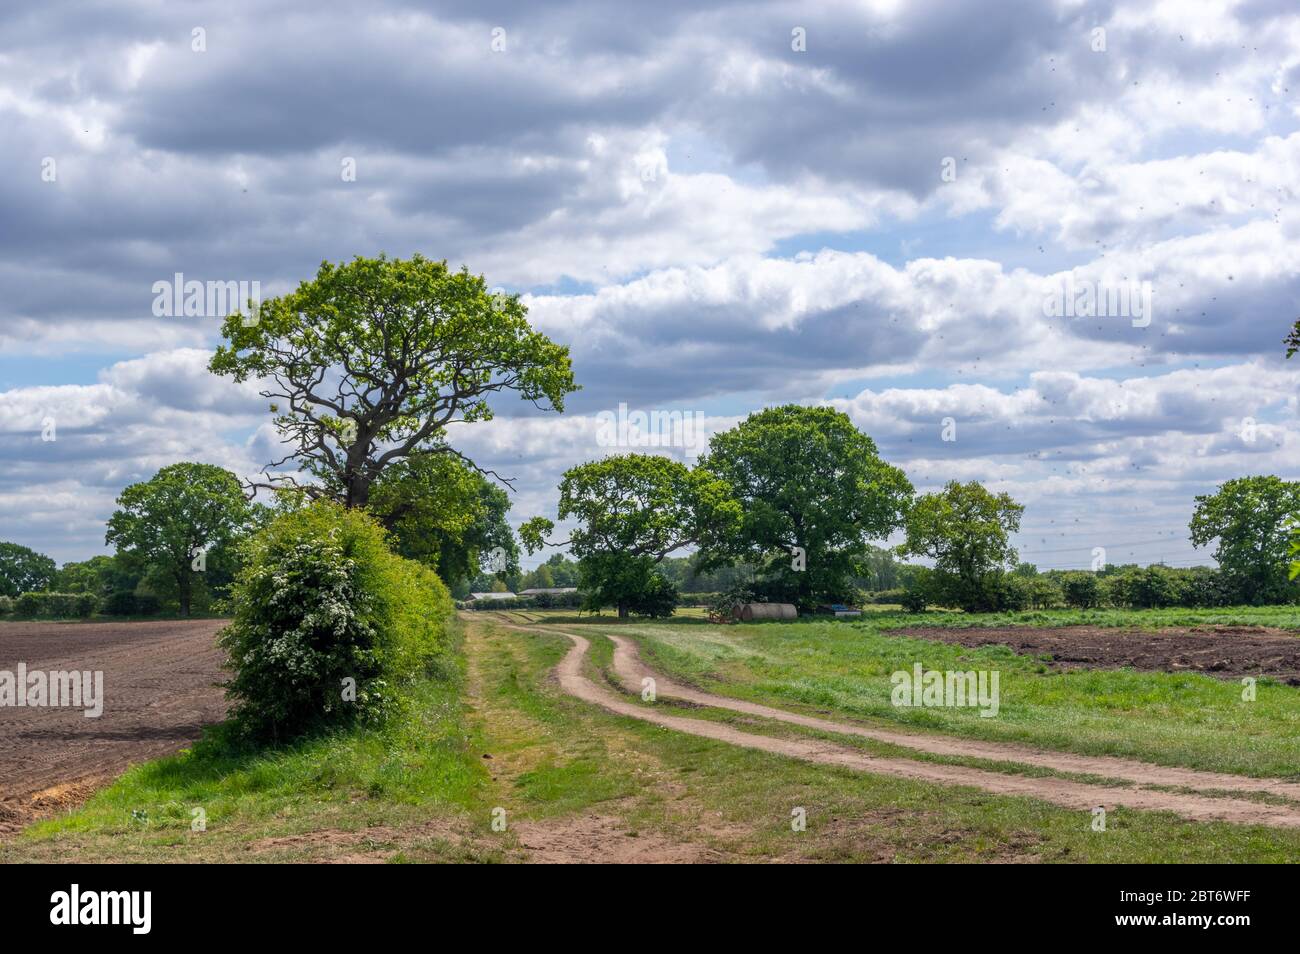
(159, 692)
(1226, 652)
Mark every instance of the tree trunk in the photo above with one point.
(622, 611)
(184, 586)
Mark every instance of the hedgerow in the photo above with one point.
(328, 624)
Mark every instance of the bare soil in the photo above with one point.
(159, 692)
(1226, 652)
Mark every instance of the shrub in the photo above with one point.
(1208, 587)
(914, 601)
(327, 624)
(6, 606)
(1081, 589)
(918, 592)
(1152, 587)
(1044, 593)
(1004, 592)
(727, 604)
(523, 602)
(557, 600)
(55, 605)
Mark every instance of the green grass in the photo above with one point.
(1284, 617)
(506, 737)
(844, 667)
(735, 804)
(420, 764)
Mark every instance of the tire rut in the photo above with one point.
(1066, 793)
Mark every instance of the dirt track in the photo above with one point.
(1064, 792)
(158, 694)
(1227, 652)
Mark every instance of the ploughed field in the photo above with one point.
(159, 691)
(1228, 652)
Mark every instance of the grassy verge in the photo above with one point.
(573, 782)
(326, 798)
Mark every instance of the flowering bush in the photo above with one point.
(328, 623)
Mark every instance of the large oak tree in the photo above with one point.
(814, 493)
(370, 361)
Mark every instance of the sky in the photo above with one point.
(1050, 246)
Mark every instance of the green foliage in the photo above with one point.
(914, 600)
(919, 591)
(892, 597)
(23, 570)
(89, 576)
(1152, 587)
(322, 600)
(966, 530)
(813, 493)
(42, 605)
(631, 583)
(1044, 592)
(1251, 517)
(442, 512)
(727, 604)
(130, 603)
(373, 358)
(183, 510)
(1081, 589)
(632, 510)
(6, 605)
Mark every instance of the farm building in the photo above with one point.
(493, 596)
(548, 590)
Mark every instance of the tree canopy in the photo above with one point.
(966, 530)
(813, 493)
(374, 358)
(633, 510)
(23, 570)
(1252, 518)
(445, 514)
(185, 515)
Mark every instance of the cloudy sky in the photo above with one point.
(716, 206)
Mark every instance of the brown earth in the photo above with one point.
(159, 692)
(1226, 652)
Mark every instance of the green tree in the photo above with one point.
(374, 358)
(632, 511)
(1293, 339)
(966, 530)
(184, 517)
(814, 492)
(89, 576)
(443, 513)
(1251, 517)
(540, 578)
(23, 570)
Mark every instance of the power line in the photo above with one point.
(1135, 543)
